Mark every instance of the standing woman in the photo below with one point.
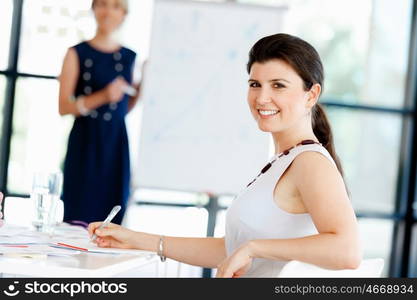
(297, 208)
(95, 77)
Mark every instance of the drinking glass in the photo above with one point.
(46, 191)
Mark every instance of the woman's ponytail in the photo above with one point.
(323, 131)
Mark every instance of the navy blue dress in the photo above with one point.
(97, 167)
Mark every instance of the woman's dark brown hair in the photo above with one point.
(305, 60)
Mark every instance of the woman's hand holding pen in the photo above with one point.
(115, 90)
(112, 236)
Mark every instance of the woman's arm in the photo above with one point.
(323, 192)
(336, 246)
(204, 252)
(67, 84)
(113, 92)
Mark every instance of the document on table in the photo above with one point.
(35, 249)
(90, 247)
(66, 240)
(24, 241)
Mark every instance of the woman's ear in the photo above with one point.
(313, 95)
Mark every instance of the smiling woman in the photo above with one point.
(297, 208)
(281, 73)
(300, 202)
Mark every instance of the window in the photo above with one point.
(413, 259)
(48, 29)
(355, 49)
(2, 94)
(368, 144)
(6, 10)
(40, 146)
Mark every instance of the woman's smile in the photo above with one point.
(267, 114)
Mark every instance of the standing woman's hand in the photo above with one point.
(115, 90)
(137, 87)
(1, 214)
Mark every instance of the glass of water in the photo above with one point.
(46, 191)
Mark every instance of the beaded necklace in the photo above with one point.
(283, 153)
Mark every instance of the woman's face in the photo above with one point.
(109, 14)
(276, 96)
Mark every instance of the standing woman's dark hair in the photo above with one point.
(305, 60)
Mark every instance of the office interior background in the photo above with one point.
(369, 52)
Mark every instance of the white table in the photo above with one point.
(81, 264)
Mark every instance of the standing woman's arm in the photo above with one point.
(67, 84)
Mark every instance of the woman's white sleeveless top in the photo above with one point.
(253, 214)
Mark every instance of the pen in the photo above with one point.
(106, 222)
(72, 247)
(130, 90)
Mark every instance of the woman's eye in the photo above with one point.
(254, 84)
(278, 85)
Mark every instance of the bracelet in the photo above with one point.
(79, 103)
(161, 248)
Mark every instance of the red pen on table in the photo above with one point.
(72, 247)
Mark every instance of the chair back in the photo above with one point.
(371, 267)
